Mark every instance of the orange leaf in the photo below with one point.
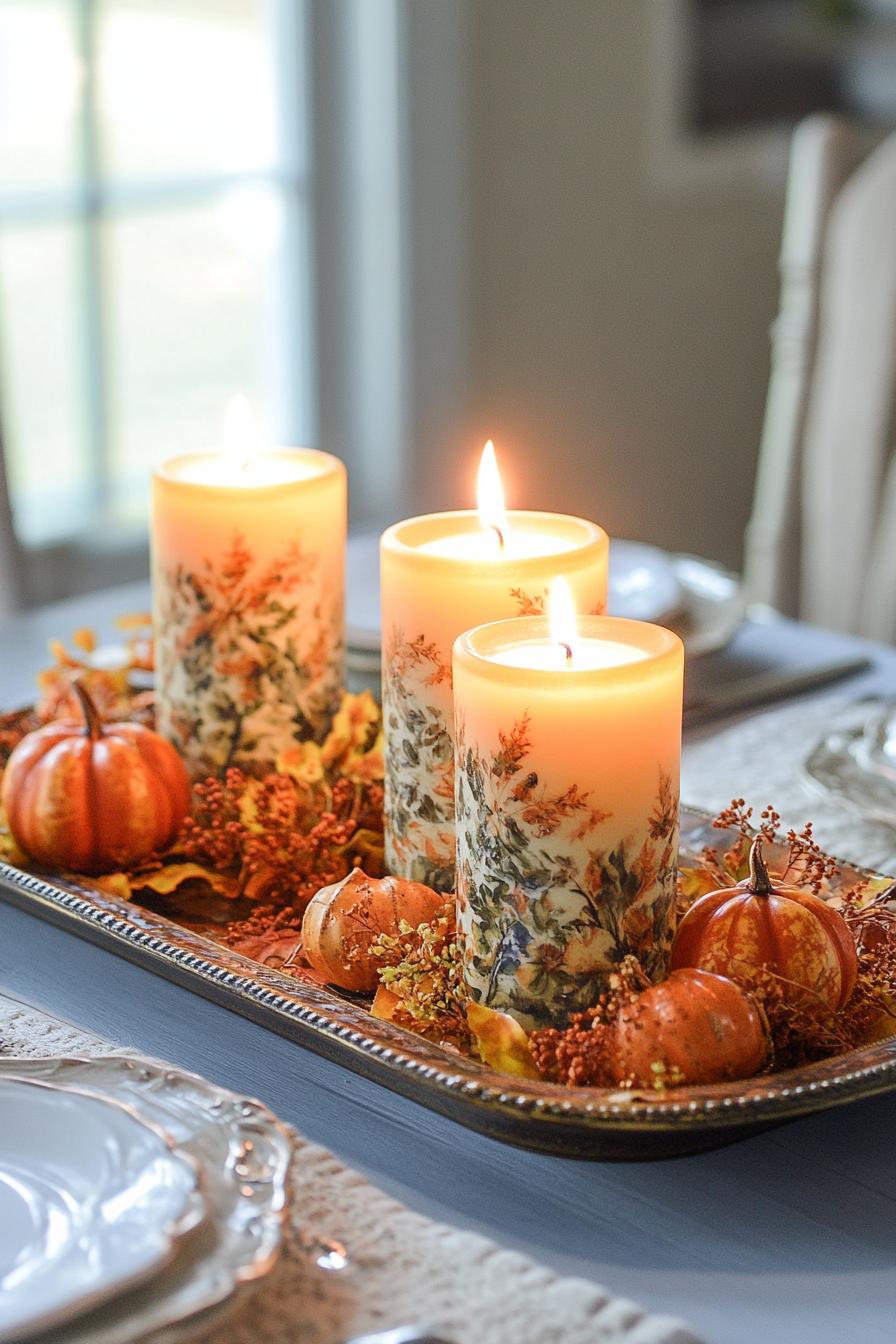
(167, 879)
(501, 1041)
(384, 1004)
(116, 884)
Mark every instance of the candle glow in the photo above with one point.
(490, 497)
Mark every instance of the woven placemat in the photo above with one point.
(404, 1268)
(762, 760)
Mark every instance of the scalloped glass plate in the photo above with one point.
(580, 1122)
(243, 1153)
(92, 1202)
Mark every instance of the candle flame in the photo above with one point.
(562, 616)
(240, 439)
(490, 495)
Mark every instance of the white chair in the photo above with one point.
(821, 542)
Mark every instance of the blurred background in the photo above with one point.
(402, 227)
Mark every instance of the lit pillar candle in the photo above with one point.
(248, 574)
(440, 575)
(568, 751)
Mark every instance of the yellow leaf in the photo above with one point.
(881, 1029)
(115, 884)
(166, 880)
(249, 808)
(302, 763)
(366, 767)
(501, 1041)
(695, 882)
(85, 639)
(135, 620)
(351, 726)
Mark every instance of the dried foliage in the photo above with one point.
(302, 827)
(580, 1055)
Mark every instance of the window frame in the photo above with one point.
(59, 567)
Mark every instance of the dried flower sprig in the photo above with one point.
(422, 969)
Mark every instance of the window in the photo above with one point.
(154, 254)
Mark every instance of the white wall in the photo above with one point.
(618, 329)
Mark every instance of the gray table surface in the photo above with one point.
(785, 1237)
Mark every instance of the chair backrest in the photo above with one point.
(821, 540)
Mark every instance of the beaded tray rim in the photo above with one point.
(584, 1122)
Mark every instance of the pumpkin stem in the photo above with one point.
(92, 721)
(760, 882)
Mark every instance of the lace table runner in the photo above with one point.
(404, 1268)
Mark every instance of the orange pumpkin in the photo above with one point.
(94, 797)
(693, 1027)
(343, 920)
(789, 931)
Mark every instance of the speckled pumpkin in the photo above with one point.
(94, 797)
(694, 1027)
(789, 931)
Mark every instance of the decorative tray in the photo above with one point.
(580, 1122)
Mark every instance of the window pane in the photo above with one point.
(194, 297)
(43, 411)
(41, 82)
(186, 86)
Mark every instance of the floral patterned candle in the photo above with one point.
(567, 808)
(440, 575)
(247, 563)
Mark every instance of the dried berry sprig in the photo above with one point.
(422, 968)
(581, 1054)
(268, 834)
(806, 861)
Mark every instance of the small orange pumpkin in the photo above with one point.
(342, 921)
(94, 797)
(788, 931)
(693, 1027)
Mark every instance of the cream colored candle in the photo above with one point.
(248, 576)
(440, 575)
(567, 807)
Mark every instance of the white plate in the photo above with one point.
(643, 584)
(243, 1153)
(91, 1202)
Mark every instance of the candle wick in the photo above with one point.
(498, 533)
(567, 649)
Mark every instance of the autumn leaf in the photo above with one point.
(384, 1004)
(351, 727)
(85, 639)
(114, 884)
(696, 882)
(166, 880)
(501, 1041)
(302, 763)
